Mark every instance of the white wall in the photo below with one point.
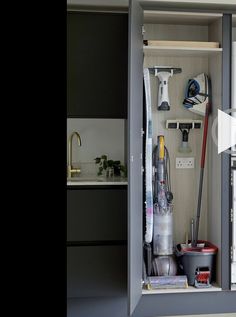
(234, 34)
(98, 136)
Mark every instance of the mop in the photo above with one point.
(198, 101)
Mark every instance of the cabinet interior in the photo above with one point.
(185, 26)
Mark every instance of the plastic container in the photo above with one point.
(190, 260)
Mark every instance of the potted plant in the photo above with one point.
(110, 167)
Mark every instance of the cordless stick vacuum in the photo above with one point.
(164, 263)
(164, 73)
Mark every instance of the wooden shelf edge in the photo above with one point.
(180, 51)
(175, 48)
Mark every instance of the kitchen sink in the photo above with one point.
(95, 179)
(86, 179)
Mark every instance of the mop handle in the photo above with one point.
(207, 112)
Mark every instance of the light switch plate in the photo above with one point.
(184, 162)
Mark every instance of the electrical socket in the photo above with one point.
(184, 162)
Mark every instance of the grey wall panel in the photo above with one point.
(187, 304)
(96, 214)
(152, 306)
(97, 307)
(135, 110)
(96, 271)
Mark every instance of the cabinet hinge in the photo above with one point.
(231, 215)
(231, 253)
(142, 132)
(143, 30)
(231, 179)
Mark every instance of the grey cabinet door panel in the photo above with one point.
(97, 307)
(225, 158)
(96, 214)
(96, 271)
(97, 58)
(135, 121)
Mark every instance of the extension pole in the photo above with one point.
(207, 112)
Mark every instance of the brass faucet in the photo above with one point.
(70, 169)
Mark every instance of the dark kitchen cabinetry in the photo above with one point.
(139, 302)
(96, 271)
(97, 59)
(96, 214)
(97, 71)
(96, 241)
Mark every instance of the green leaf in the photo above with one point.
(104, 157)
(110, 163)
(97, 160)
(105, 165)
(100, 171)
(123, 168)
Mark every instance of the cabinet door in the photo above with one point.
(225, 158)
(135, 190)
(233, 270)
(96, 271)
(97, 58)
(96, 214)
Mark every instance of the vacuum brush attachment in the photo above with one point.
(184, 125)
(184, 147)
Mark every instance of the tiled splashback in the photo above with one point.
(98, 137)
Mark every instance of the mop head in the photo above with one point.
(197, 94)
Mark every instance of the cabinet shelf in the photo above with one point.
(180, 51)
(190, 289)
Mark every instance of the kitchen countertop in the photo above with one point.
(80, 181)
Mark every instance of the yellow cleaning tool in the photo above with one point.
(161, 147)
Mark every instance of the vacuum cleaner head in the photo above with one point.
(197, 94)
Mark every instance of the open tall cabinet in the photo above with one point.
(233, 157)
(150, 23)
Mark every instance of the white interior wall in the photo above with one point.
(98, 136)
(184, 181)
(234, 34)
(175, 32)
